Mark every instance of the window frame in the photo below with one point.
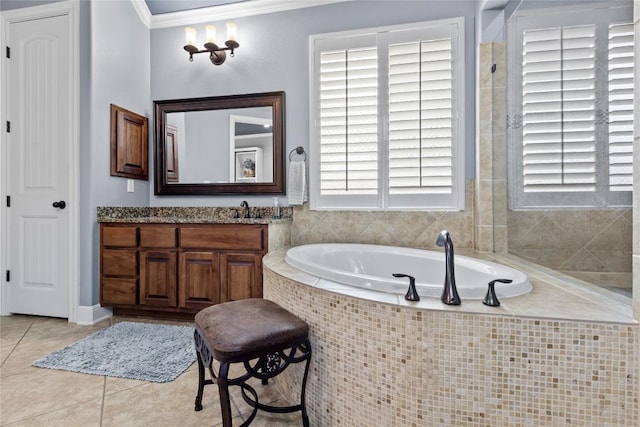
(384, 36)
(602, 15)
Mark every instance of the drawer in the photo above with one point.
(236, 237)
(158, 237)
(119, 236)
(119, 262)
(118, 291)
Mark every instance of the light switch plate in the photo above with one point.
(130, 186)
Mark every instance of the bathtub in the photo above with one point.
(371, 267)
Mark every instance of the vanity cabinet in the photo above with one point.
(119, 265)
(179, 269)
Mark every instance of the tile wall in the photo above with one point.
(400, 228)
(398, 366)
(491, 201)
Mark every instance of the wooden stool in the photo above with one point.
(246, 331)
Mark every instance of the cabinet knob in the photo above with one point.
(61, 204)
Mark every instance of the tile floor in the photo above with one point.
(44, 397)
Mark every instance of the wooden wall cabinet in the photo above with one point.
(176, 270)
(129, 144)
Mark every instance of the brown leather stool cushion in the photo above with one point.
(241, 330)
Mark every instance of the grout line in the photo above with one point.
(18, 343)
(104, 393)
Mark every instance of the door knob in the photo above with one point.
(61, 204)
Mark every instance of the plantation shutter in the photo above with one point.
(570, 114)
(420, 103)
(385, 131)
(621, 63)
(558, 109)
(349, 121)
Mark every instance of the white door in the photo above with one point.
(39, 157)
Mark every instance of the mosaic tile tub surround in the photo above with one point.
(399, 366)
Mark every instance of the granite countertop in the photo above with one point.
(191, 215)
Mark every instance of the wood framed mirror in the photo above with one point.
(202, 135)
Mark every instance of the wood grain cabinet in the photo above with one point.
(119, 265)
(179, 269)
(129, 144)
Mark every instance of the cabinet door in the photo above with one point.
(158, 278)
(240, 276)
(129, 144)
(199, 283)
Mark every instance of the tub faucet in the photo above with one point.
(450, 292)
(245, 205)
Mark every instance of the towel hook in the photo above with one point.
(298, 150)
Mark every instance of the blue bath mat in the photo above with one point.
(139, 351)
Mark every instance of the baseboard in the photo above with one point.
(90, 315)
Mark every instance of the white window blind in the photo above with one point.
(571, 107)
(349, 121)
(420, 138)
(558, 109)
(621, 62)
(387, 130)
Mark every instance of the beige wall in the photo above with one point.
(582, 240)
(415, 229)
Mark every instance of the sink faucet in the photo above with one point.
(245, 205)
(450, 292)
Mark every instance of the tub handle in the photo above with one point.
(412, 294)
(491, 299)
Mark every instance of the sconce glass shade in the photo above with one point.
(211, 34)
(190, 36)
(232, 31)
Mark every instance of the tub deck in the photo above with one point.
(554, 295)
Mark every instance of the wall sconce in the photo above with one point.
(217, 54)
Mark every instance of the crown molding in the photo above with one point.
(143, 11)
(229, 11)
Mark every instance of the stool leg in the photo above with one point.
(223, 390)
(303, 405)
(264, 369)
(200, 383)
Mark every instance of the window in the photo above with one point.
(571, 120)
(387, 122)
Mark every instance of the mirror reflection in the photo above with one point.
(226, 146)
(220, 145)
(249, 144)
